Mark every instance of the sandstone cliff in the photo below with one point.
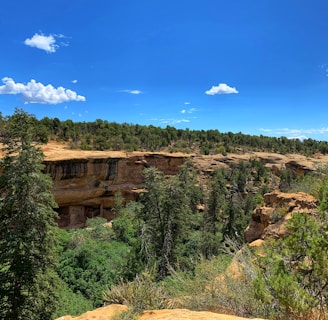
(85, 182)
(112, 311)
(85, 186)
(269, 220)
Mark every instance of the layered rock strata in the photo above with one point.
(86, 187)
(85, 182)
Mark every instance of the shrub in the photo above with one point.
(143, 293)
(295, 268)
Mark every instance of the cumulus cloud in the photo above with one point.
(46, 43)
(74, 81)
(133, 91)
(222, 88)
(36, 92)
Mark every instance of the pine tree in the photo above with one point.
(166, 208)
(212, 220)
(27, 229)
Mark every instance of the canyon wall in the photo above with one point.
(85, 182)
(85, 187)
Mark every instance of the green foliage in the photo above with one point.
(91, 261)
(295, 268)
(167, 205)
(212, 221)
(143, 293)
(102, 135)
(214, 286)
(27, 229)
(70, 303)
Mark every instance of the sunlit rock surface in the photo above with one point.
(269, 220)
(112, 311)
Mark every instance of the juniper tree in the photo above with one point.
(27, 228)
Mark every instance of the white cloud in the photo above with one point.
(74, 81)
(132, 91)
(222, 88)
(295, 133)
(191, 110)
(324, 68)
(46, 43)
(36, 92)
(173, 121)
(187, 102)
(170, 120)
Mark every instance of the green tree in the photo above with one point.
(295, 269)
(27, 229)
(166, 208)
(212, 221)
(92, 260)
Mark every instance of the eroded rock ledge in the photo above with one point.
(86, 187)
(112, 312)
(269, 220)
(85, 182)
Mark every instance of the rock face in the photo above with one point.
(85, 182)
(269, 221)
(85, 187)
(113, 311)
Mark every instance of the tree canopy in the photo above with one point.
(28, 227)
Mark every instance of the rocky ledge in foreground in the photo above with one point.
(112, 312)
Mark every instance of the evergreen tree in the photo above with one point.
(212, 224)
(166, 208)
(27, 229)
(295, 268)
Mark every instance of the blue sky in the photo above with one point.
(257, 66)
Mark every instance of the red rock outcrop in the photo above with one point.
(269, 221)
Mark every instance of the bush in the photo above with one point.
(143, 293)
(295, 269)
(221, 285)
(91, 261)
(71, 303)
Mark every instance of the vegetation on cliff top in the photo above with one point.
(104, 135)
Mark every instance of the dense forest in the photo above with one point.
(162, 251)
(104, 135)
